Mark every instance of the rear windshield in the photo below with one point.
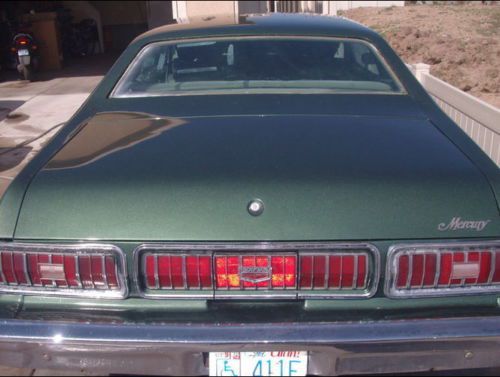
(249, 65)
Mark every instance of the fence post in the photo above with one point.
(330, 8)
(420, 70)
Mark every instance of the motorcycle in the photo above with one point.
(26, 50)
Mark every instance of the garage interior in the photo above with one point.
(75, 34)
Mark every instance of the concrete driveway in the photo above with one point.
(32, 112)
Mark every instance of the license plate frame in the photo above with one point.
(23, 52)
(269, 363)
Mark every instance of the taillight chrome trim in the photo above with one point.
(76, 249)
(397, 250)
(218, 248)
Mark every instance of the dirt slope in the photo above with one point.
(460, 42)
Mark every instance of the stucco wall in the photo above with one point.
(197, 9)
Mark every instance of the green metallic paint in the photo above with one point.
(320, 178)
(10, 306)
(437, 173)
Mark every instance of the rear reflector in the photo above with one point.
(445, 269)
(247, 271)
(68, 270)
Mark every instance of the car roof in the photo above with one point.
(260, 24)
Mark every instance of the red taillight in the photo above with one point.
(8, 267)
(430, 267)
(23, 41)
(70, 270)
(284, 272)
(178, 272)
(112, 272)
(65, 270)
(338, 271)
(458, 268)
(319, 275)
(20, 268)
(85, 271)
(226, 272)
(253, 274)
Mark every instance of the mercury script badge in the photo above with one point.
(255, 274)
(457, 223)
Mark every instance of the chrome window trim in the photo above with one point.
(391, 291)
(113, 94)
(214, 248)
(70, 249)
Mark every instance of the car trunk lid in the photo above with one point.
(133, 176)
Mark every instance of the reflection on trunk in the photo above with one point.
(107, 133)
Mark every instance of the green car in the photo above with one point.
(273, 196)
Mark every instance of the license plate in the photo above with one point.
(23, 52)
(277, 363)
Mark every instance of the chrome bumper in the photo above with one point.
(180, 349)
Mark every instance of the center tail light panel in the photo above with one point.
(257, 270)
(75, 270)
(254, 274)
(443, 269)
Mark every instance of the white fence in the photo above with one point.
(332, 7)
(478, 119)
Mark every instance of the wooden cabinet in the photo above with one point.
(46, 33)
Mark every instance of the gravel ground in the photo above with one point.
(460, 42)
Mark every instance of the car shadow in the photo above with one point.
(6, 107)
(12, 157)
